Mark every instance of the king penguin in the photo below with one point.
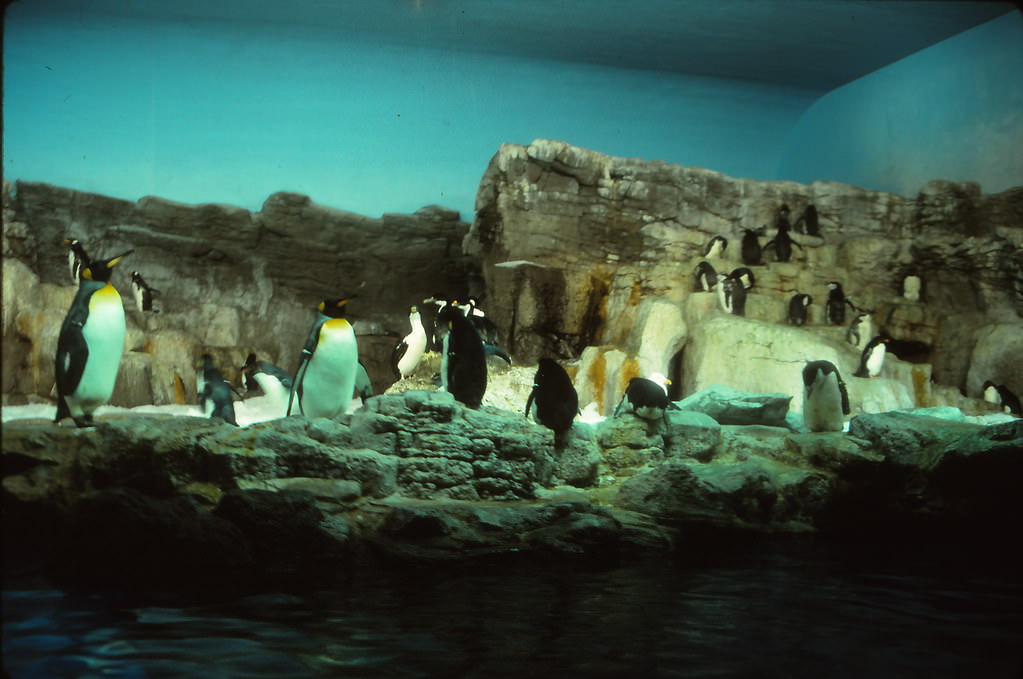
(797, 308)
(215, 393)
(872, 357)
(553, 400)
(825, 400)
(325, 379)
(410, 350)
(90, 344)
(463, 369)
(647, 397)
(275, 382)
(143, 293)
(77, 258)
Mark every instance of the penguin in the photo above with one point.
(825, 399)
(463, 367)
(553, 401)
(363, 385)
(435, 329)
(143, 293)
(494, 350)
(872, 357)
(782, 241)
(215, 393)
(486, 328)
(732, 295)
(745, 276)
(325, 379)
(835, 306)
(797, 308)
(808, 222)
(275, 382)
(716, 247)
(77, 258)
(410, 350)
(647, 397)
(704, 277)
(90, 343)
(1002, 396)
(751, 251)
(912, 288)
(860, 330)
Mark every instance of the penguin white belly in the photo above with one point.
(991, 395)
(104, 335)
(273, 389)
(822, 404)
(444, 363)
(876, 360)
(416, 342)
(329, 379)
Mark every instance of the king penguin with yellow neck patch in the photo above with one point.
(325, 379)
(90, 344)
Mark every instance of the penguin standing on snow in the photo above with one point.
(751, 250)
(90, 344)
(732, 295)
(410, 350)
(872, 357)
(808, 222)
(274, 381)
(463, 368)
(835, 306)
(704, 277)
(1002, 396)
(716, 247)
(797, 308)
(325, 380)
(825, 400)
(143, 293)
(647, 397)
(77, 258)
(553, 400)
(215, 393)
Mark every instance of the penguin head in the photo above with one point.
(100, 270)
(250, 361)
(807, 300)
(834, 285)
(334, 307)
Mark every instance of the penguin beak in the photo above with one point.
(114, 261)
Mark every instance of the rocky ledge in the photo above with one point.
(416, 477)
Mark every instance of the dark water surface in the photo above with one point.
(775, 613)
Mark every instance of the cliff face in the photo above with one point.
(230, 280)
(579, 249)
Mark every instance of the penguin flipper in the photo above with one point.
(845, 395)
(529, 401)
(72, 355)
(399, 351)
(303, 363)
(618, 408)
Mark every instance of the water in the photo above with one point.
(771, 614)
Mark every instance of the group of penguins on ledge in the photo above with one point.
(91, 343)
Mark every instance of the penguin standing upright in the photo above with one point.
(77, 258)
(782, 243)
(553, 400)
(751, 250)
(704, 277)
(834, 308)
(325, 379)
(143, 293)
(275, 382)
(732, 295)
(463, 367)
(797, 308)
(435, 328)
(872, 357)
(808, 222)
(825, 400)
(409, 351)
(647, 397)
(90, 344)
(716, 247)
(215, 393)
(860, 330)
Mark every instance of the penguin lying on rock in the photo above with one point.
(647, 398)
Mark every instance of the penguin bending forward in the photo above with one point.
(325, 380)
(704, 277)
(872, 357)
(647, 397)
(463, 368)
(275, 382)
(1002, 396)
(825, 400)
(553, 400)
(215, 393)
(90, 344)
(716, 247)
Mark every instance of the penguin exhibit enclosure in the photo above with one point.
(299, 290)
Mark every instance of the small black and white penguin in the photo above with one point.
(808, 223)
(1002, 396)
(704, 277)
(553, 401)
(215, 393)
(716, 247)
(90, 343)
(860, 330)
(732, 295)
(325, 379)
(745, 276)
(647, 397)
(825, 400)
(274, 381)
(143, 293)
(872, 357)
(912, 288)
(486, 328)
(834, 309)
(407, 354)
(463, 369)
(797, 308)
(77, 258)
(751, 250)
(435, 329)
(782, 242)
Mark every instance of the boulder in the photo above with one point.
(731, 406)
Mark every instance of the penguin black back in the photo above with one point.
(837, 301)
(646, 398)
(555, 397)
(809, 221)
(704, 277)
(217, 391)
(797, 308)
(782, 243)
(751, 251)
(464, 363)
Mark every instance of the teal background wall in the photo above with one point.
(952, 111)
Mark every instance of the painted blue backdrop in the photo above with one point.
(228, 112)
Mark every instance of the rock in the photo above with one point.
(730, 406)
(691, 435)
